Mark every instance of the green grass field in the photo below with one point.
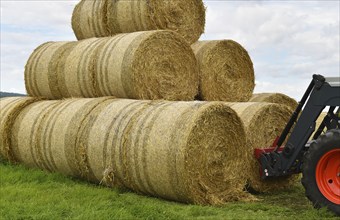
(34, 194)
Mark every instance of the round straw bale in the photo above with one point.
(41, 73)
(141, 65)
(175, 150)
(24, 131)
(56, 70)
(79, 68)
(99, 18)
(226, 71)
(89, 19)
(83, 154)
(275, 98)
(155, 65)
(52, 132)
(263, 123)
(9, 111)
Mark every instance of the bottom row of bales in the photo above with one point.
(192, 152)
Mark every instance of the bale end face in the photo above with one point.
(226, 71)
(164, 67)
(185, 17)
(215, 145)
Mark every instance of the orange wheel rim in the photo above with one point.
(328, 176)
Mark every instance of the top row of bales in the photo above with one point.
(110, 17)
(144, 64)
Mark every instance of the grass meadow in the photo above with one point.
(34, 194)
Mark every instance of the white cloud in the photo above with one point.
(28, 15)
(287, 40)
(24, 26)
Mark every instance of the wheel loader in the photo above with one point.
(319, 159)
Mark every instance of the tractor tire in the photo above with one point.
(321, 171)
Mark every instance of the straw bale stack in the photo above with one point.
(102, 18)
(226, 71)
(142, 65)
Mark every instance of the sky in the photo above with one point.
(288, 41)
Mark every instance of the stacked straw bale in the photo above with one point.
(47, 134)
(9, 110)
(41, 72)
(275, 98)
(226, 71)
(263, 123)
(102, 18)
(183, 151)
(142, 65)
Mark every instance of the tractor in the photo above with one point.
(316, 156)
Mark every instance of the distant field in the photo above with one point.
(8, 94)
(34, 194)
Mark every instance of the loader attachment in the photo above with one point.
(285, 156)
